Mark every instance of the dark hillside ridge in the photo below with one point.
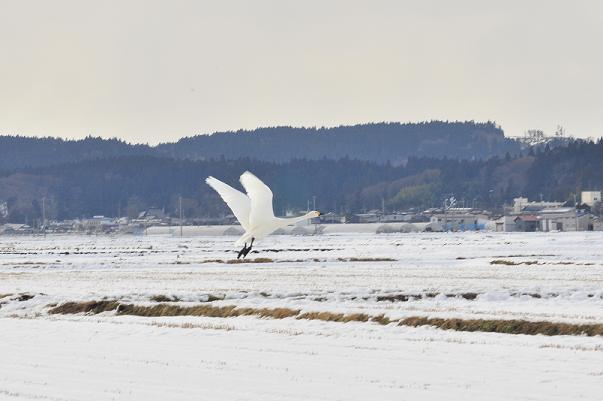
(21, 152)
(379, 143)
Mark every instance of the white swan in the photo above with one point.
(254, 210)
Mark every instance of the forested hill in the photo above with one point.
(380, 143)
(20, 152)
(130, 184)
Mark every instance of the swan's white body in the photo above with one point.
(254, 209)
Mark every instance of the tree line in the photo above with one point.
(126, 185)
(379, 143)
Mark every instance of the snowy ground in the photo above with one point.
(556, 277)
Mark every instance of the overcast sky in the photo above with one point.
(153, 71)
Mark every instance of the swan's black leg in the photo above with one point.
(242, 252)
(248, 249)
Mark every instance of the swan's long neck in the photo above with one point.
(294, 220)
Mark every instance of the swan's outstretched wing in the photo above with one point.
(237, 201)
(261, 200)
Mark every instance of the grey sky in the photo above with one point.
(151, 71)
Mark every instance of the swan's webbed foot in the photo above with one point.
(246, 252)
(243, 252)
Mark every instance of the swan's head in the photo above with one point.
(314, 213)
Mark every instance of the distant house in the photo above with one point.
(527, 223)
(565, 219)
(591, 197)
(98, 224)
(461, 219)
(558, 219)
(505, 224)
(524, 205)
(152, 213)
(397, 217)
(370, 217)
(331, 218)
(544, 216)
(12, 229)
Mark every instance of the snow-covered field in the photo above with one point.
(554, 277)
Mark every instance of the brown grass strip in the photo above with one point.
(334, 317)
(471, 325)
(512, 263)
(93, 307)
(256, 260)
(381, 319)
(507, 326)
(164, 298)
(204, 310)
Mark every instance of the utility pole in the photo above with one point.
(180, 207)
(445, 216)
(44, 214)
(576, 211)
(313, 202)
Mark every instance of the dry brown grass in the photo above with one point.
(93, 307)
(255, 260)
(507, 326)
(334, 317)
(381, 319)
(239, 261)
(481, 325)
(204, 310)
(470, 296)
(366, 259)
(164, 298)
(512, 263)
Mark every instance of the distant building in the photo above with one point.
(397, 217)
(12, 229)
(370, 217)
(523, 204)
(556, 219)
(505, 224)
(331, 218)
(590, 197)
(153, 213)
(565, 219)
(461, 219)
(527, 223)
(98, 224)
